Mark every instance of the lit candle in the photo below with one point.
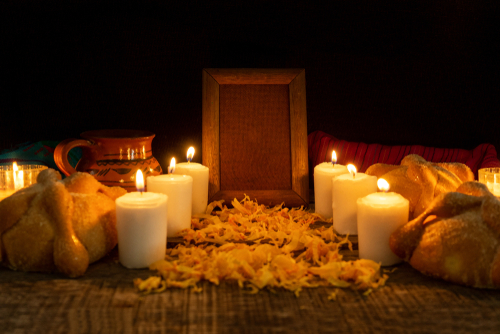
(141, 222)
(179, 190)
(324, 173)
(346, 190)
(199, 173)
(491, 178)
(379, 215)
(12, 179)
(18, 177)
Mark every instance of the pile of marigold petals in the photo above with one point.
(260, 247)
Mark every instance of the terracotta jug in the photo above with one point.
(111, 156)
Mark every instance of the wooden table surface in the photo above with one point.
(104, 301)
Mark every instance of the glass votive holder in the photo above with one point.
(491, 178)
(13, 178)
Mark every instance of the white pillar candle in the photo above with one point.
(324, 174)
(141, 223)
(346, 190)
(199, 173)
(179, 190)
(379, 215)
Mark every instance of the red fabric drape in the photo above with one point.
(364, 155)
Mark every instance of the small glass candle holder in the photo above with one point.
(13, 178)
(491, 178)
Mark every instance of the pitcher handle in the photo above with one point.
(61, 154)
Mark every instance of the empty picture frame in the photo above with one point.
(254, 138)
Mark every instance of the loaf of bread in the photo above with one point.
(420, 181)
(457, 238)
(58, 225)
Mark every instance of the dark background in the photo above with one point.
(389, 72)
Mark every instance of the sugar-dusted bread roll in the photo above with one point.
(457, 238)
(420, 181)
(57, 225)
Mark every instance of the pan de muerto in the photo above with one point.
(58, 225)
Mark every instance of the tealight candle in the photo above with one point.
(179, 190)
(14, 177)
(141, 222)
(199, 173)
(379, 215)
(346, 189)
(491, 178)
(324, 173)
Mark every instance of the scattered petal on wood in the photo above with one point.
(261, 248)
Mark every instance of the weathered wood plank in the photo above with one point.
(104, 301)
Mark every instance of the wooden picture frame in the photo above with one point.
(255, 135)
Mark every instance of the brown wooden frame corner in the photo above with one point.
(297, 192)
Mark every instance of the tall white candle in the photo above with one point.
(346, 190)
(179, 190)
(379, 215)
(141, 223)
(324, 173)
(199, 173)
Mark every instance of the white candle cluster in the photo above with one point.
(352, 200)
(146, 219)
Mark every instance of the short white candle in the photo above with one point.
(324, 173)
(379, 215)
(346, 190)
(141, 223)
(179, 190)
(199, 173)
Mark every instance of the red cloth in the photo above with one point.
(364, 155)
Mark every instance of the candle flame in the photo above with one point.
(352, 169)
(171, 168)
(383, 185)
(334, 157)
(18, 177)
(190, 154)
(139, 181)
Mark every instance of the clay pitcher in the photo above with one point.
(111, 156)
